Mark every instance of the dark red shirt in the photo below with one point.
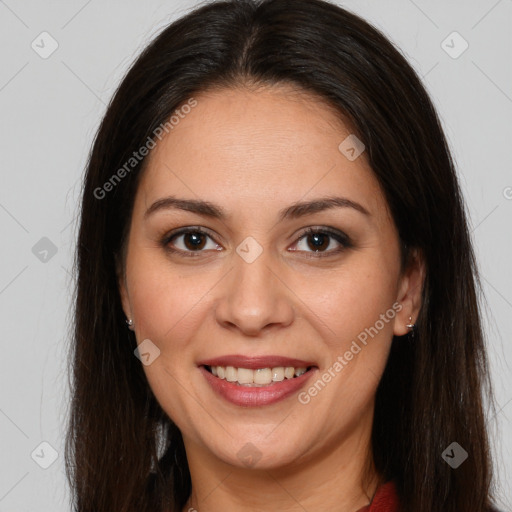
(385, 499)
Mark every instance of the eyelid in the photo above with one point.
(166, 239)
(339, 236)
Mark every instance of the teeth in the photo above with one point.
(231, 374)
(258, 377)
(278, 374)
(245, 376)
(289, 372)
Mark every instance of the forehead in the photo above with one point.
(238, 146)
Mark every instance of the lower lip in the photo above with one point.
(246, 396)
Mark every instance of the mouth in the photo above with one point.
(256, 381)
(259, 377)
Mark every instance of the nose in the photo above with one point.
(254, 298)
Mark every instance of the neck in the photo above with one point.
(340, 478)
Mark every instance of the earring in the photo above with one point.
(129, 322)
(412, 328)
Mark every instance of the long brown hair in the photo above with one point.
(123, 453)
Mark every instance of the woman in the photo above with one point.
(271, 207)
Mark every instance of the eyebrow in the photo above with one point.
(295, 211)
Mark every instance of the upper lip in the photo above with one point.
(255, 362)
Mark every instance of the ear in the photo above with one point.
(123, 289)
(410, 292)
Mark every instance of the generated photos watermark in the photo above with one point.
(341, 361)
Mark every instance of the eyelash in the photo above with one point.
(339, 236)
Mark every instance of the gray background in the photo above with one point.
(50, 109)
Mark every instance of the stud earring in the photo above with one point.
(412, 328)
(129, 322)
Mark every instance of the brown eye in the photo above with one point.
(189, 241)
(194, 240)
(322, 242)
(318, 241)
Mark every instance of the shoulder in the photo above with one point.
(385, 499)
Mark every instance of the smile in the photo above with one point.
(258, 377)
(257, 386)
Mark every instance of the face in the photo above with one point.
(221, 273)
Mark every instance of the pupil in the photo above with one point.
(318, 237)
(195, 240)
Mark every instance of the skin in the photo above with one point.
(253, 153)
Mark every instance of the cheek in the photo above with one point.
(164, 302)
(167, 309)
(358, 306)
(352, 298)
